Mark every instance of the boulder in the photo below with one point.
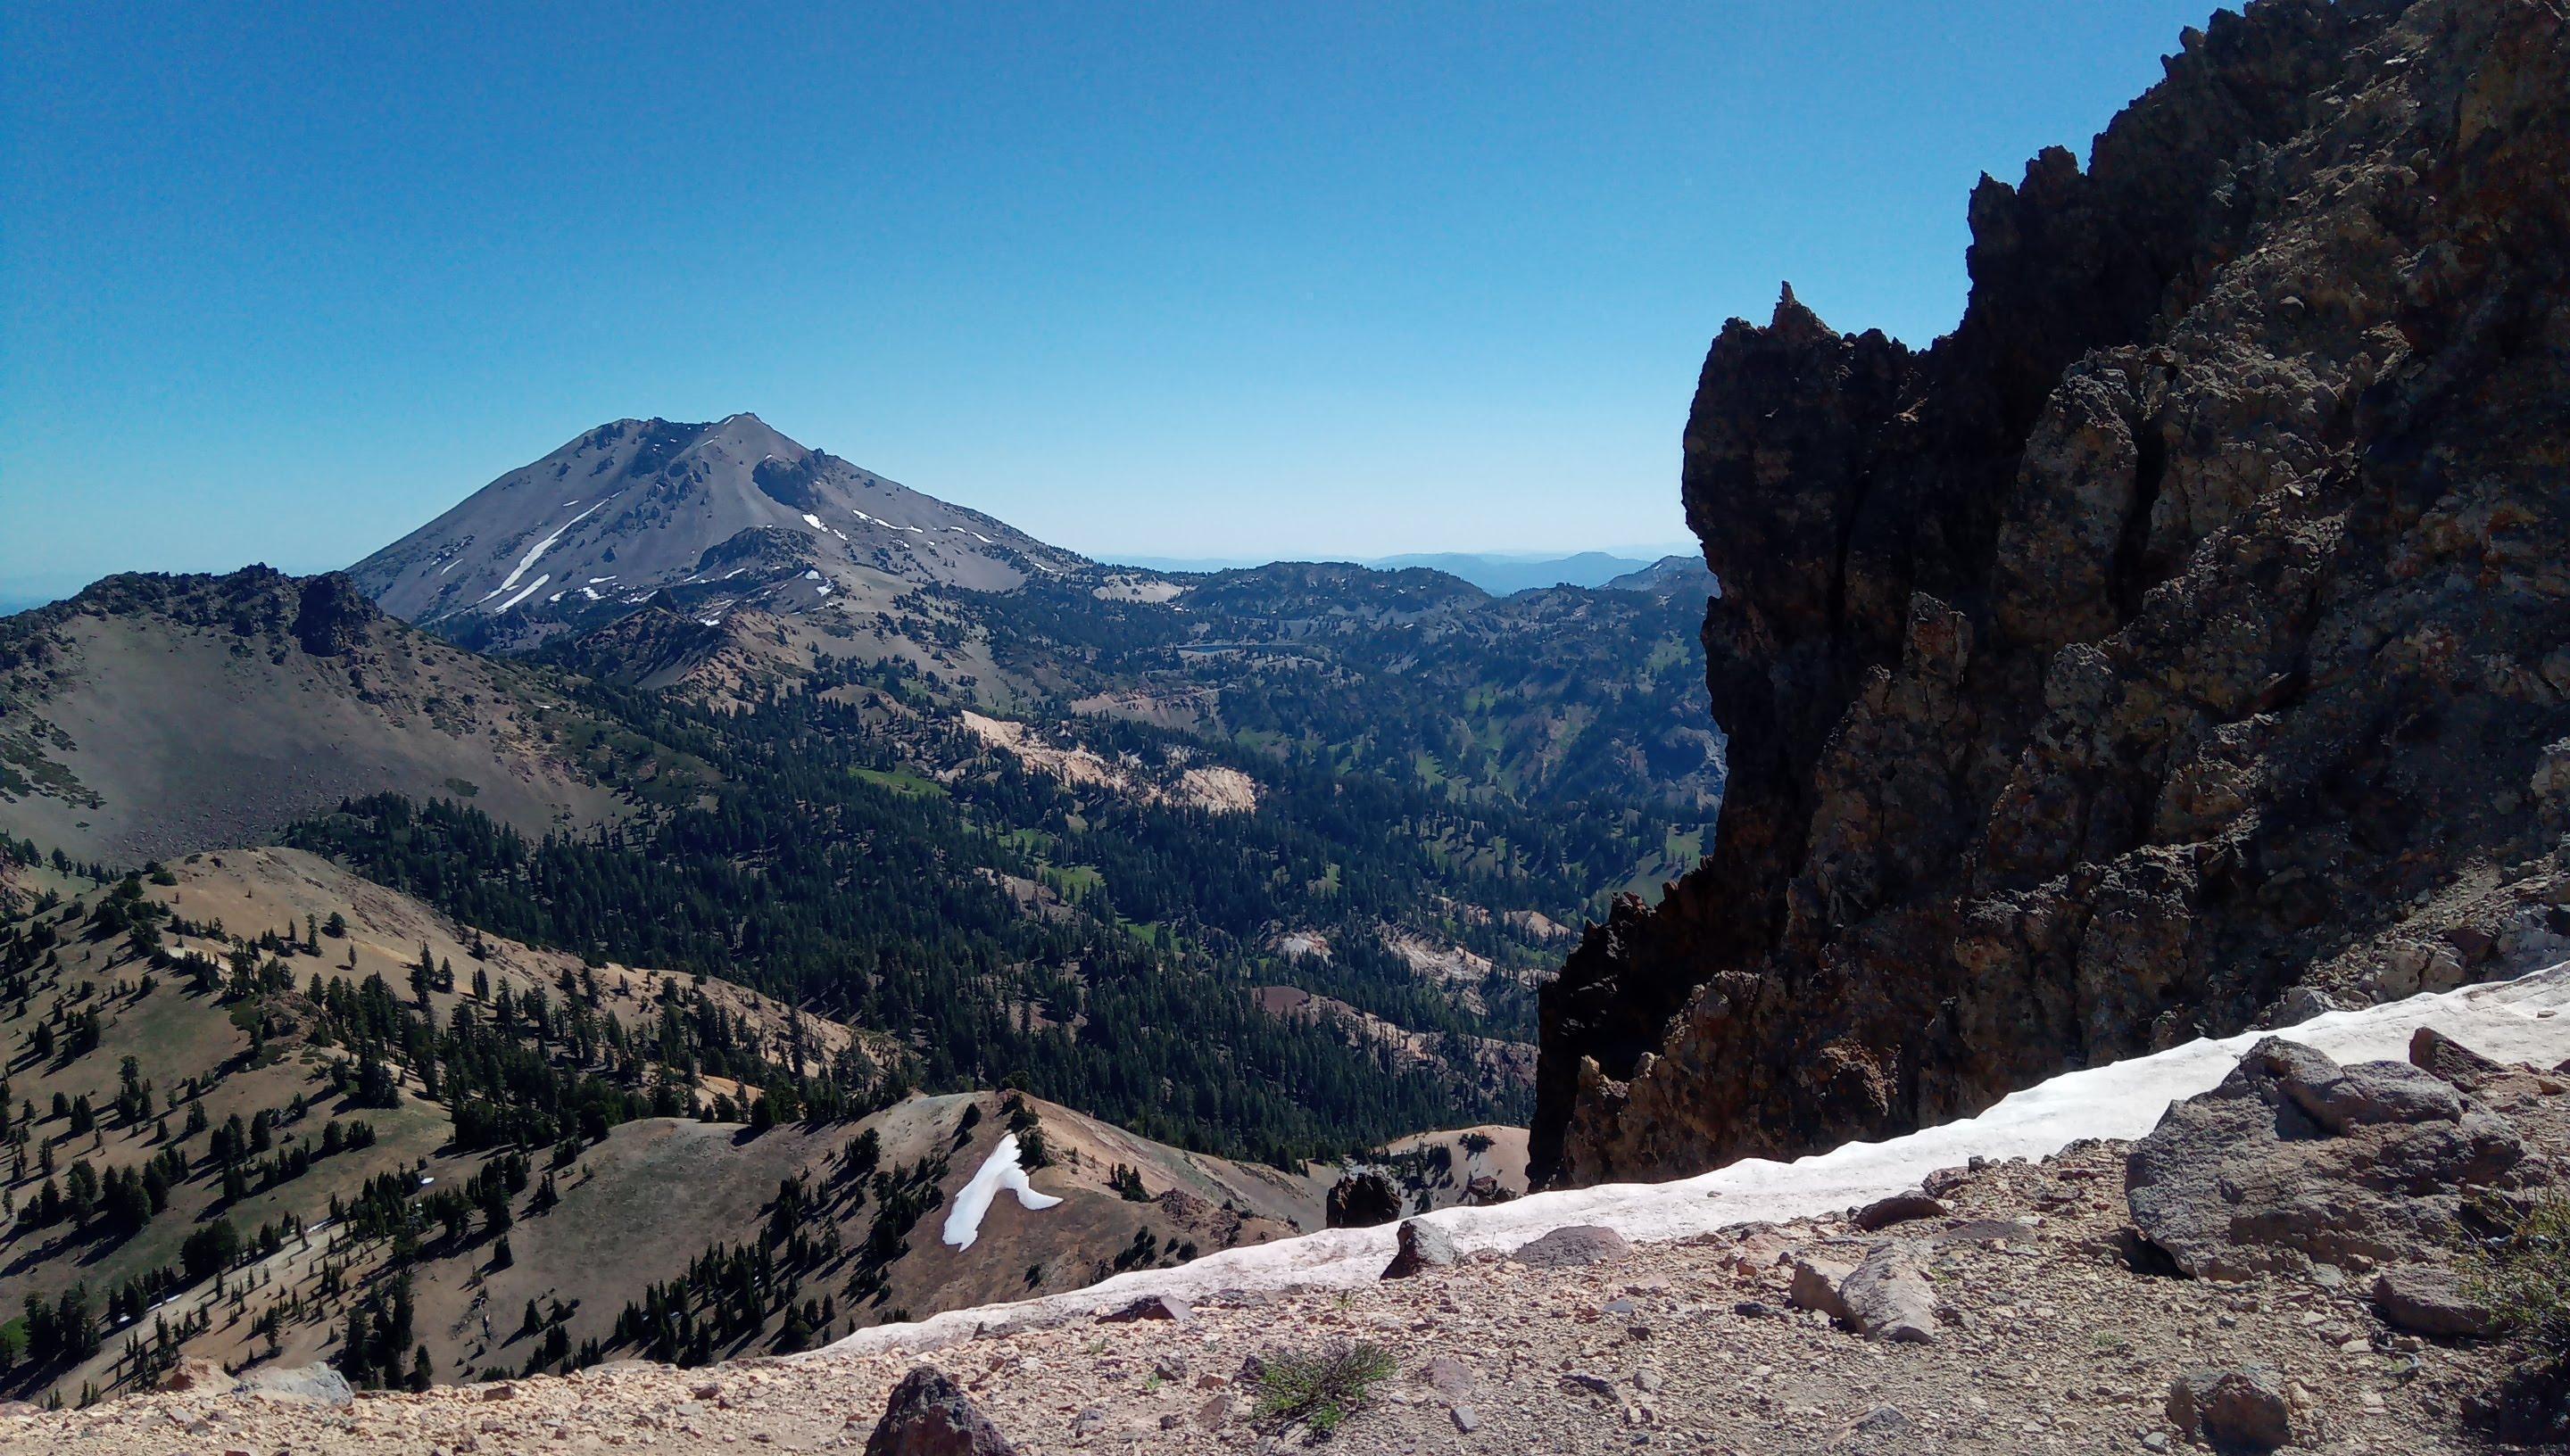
(1888, 1296)
(2295, 1158)
(2431, 1300)
(309, 1384)
(1424, 1246)
(2450, 1061)
(1572, 1245)
(2239, 1409)
(1901, 1208)
(1816, 1285)
(929, 1415)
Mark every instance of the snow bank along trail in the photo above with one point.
(2526, 1020)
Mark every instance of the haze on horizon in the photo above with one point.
(1198, 282)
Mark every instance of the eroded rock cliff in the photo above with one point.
(2184, 639)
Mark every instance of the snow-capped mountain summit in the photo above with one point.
(724, 514)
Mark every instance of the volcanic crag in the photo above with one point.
(2182, 641)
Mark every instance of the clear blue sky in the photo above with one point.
(279, 281)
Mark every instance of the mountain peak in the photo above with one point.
(725, 513)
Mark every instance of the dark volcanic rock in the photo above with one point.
(332, 616)
(2150, 644)
(1168, 1307)
(2232, 1410)
(929, 1415)
(2295, 1160)
(1362, 1200)
(1899, 1207)
(2450, 1061)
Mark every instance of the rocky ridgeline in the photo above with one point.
(2186, 629)
(2278, 1264)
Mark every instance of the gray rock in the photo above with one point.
(1465, 1418)
(2240, 1408)
(2370, 1093)
(929, 1415)
(1424, 1246)
(1572, 1246)
(1816, 1285)
(2295, 1160)
(2302, 1003)
(1447, 1377)
(1087, 1424)
(1901, 1208)
(1589, 1384)
(1888, 1298)
(2429, 1299)
(1984, 1231)
(315, 1385)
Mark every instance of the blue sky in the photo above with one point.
(279, 282)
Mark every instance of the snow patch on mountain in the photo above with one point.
(999, 1171)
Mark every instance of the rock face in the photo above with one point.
(2169, 635)
(1363, 1198)
(2294, 1161)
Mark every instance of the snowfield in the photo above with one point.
(528, 562)
(2526, 1020)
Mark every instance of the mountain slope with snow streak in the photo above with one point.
(2527, 1020)
(725, 513)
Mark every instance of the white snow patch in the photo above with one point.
(812, 520)
(999, 1171)
(2520, 1020)
(528, 560)
(532, 588)
(977, 535)
(824, 588)
(557, 596)
(591, 593)
(812, 576)
(442, 570)
(601, 580)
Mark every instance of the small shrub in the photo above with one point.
(2524, 1279)
(1321, 1389)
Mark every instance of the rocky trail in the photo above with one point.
(2001, 1302)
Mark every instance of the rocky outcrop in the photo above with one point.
(331, 616)
(1362, 1200)
(2184, 628)
(2296, 1160)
